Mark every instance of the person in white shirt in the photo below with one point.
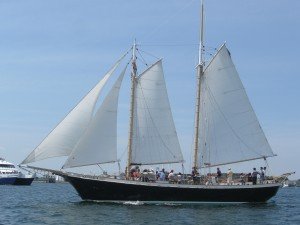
(229, 176)
(171, 175)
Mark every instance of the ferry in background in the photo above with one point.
(9, 174)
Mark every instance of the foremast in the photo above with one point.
(200, 71)
(132, 102)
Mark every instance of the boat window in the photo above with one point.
(7, 166)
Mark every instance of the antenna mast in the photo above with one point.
(133, 80)
(200, 67)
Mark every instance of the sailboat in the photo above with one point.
(226, 131)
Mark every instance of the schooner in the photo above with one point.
(226, 131)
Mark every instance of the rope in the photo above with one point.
(143, 60)
(148, 54)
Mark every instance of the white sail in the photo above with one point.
(155, 139)
(99, 142)
(61, 141)
(229, 129)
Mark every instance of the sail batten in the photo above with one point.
(98, 144)
(155, 139)
(62, 139)
(230, 131)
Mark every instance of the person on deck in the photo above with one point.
(171, 175)
(157, 174)
(136, 174)
(179, 178)
(162, 175)
(132, 172)
(243, 178)
(254, 176)
(229, 176)
(219, 174)
(195, 172)
(262, 175)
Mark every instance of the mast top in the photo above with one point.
(134, 50)
(201, 44)
(134, 67)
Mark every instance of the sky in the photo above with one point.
(53, 52)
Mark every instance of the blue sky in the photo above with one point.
(53, 52)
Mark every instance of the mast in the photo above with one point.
(133, 78)
(200, 67)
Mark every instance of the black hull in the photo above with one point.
(104, 189)
(23, 181)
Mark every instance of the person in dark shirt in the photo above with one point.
(219, 174)
(262, 175)
(254, 176)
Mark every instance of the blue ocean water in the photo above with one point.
(59, 203)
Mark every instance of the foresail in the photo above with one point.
(99, 142)
(61, 141)
(229, 129)
(155, 139)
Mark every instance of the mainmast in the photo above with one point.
(200, 67)
(132, 102)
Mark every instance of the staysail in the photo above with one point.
(64, 137)
(229, 129)
(155, 139)
(99, 142)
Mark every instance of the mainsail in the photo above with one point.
(99, 142)
(155, 139)
(229, 129)
(64, 137)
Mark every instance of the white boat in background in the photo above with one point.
(8, 172)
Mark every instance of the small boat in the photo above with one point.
(226, 131)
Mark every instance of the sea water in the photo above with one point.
(43, 203)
